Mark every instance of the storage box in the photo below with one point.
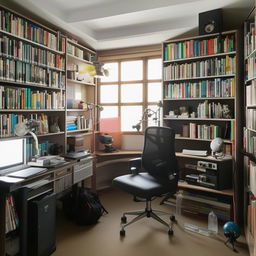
(82, 170)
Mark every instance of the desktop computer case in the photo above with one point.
(42, 225)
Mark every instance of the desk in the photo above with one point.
(55, 176)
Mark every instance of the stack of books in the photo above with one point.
(208, 132)
(12, 219)
(71, 123)
(250, 39)
(249, 141)
(250, 94)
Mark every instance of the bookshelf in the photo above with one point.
(80, 86)
(249, 149)
(202, 94)
(34, 84)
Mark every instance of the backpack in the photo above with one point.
(84, 206)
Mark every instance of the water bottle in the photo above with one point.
(178, 203)
(212, 223)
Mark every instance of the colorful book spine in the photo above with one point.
(197, 48)
(207, 132)
(199, 69)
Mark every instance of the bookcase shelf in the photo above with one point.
(199, 119)
(195, 83)
(80, 82)
(79, 59)
(78, 131)
(31, 42)
(199, 99)
(32, 110)
(76, 110)
(31, 62)
(196, 139)
(15, 83)
(200, 57)
(199, 78)
(249, 136)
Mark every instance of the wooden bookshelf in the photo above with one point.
(86, 89)
(191, 90)
(249, 149)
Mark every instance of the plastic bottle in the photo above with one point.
(178, 203)
(212, 223)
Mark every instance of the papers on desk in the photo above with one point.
(10, 179)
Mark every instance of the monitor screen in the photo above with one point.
(12, 152)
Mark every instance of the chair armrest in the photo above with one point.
(135, 165)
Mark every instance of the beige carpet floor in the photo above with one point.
(144, 238)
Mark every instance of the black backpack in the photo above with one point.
(83, 206)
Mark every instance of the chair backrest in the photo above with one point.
(158, 156)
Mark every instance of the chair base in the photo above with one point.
(148, 212)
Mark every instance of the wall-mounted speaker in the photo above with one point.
(210, 22)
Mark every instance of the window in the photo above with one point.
(132, 86)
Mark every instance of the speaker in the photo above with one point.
(42, 226)
(210, 22)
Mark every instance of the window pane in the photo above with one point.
(109, 93)
(154, 69)
(154, 92)
(130, 115)
(109, 111)
(131, 70)
(112, 69)
(131, 93)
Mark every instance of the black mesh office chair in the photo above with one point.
(160, 174)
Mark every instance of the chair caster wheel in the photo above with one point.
(122, 232)
(172, 218)
(170, 232)
(123, 219)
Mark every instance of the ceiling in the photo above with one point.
(109, 24)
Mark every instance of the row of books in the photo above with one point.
(210, 67)
(250, 94)
(249, 141)
(26, 98)
(77, 123)
(250, 38)
(250, 68)
(24, 28)
(13, 48)
(8, 122)
(31, 149)
(251, 217)
(251, 119)
(207, 132)
(14, 70)
(201, 89)
(77, 52)
(211, 110)
(12, 219)
(196, 48)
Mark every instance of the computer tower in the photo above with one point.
(42, 225)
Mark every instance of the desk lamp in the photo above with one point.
(27, 127)
(148, 113)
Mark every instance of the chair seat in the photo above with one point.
(145, 185)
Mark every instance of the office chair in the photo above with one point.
(159, 176)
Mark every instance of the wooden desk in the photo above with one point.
(54, 175)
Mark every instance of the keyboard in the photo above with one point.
(26, 173)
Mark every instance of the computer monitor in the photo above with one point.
(12, 154)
